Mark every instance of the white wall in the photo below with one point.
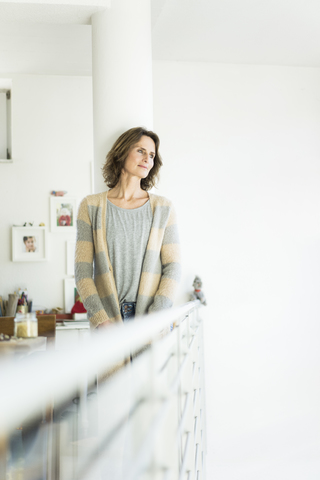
(241, 152)
(52, 150)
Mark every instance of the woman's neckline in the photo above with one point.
(128, 209)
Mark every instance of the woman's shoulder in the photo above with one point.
(95, 199)
(160, 201)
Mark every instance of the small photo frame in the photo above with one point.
(29, 244)
(63, 212)
(71, 248)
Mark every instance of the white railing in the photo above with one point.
(144, 421)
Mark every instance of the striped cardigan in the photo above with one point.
(93, 270)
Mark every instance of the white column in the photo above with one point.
(121, 75)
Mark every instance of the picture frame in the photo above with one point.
(70, 292)
(71, 248)
(29, 244)
(63, 212)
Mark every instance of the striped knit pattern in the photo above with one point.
(161, 269)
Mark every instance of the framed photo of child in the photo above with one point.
(29, 244)
(63, 212)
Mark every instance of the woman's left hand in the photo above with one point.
(104, 324)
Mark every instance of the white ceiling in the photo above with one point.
(54, 36)
(276, 32)
(50, 11)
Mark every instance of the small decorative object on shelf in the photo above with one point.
(197, 293)
(25, 224)
(59, 193)
(4, 338)
(57, 310)
(78, 307)
(26, 325)
(10, 306)
(24, 304)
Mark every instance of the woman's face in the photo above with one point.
(140, 158)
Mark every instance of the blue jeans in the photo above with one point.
(128, 310)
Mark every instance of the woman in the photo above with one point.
(127, 251)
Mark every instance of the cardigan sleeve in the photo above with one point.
(171, 266)
(84, 257)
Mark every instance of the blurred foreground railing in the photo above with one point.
(143, 421)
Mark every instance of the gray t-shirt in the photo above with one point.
(127, 237)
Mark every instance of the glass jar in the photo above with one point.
(26, 325)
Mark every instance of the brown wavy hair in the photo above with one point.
(115, 159)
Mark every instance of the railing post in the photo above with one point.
(178, 362)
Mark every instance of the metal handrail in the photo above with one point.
(26, 386)
(164, 386)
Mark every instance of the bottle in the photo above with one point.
(26, 325)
